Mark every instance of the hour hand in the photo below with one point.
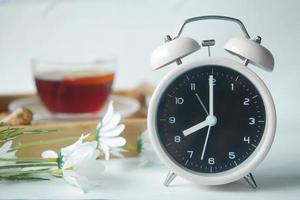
(209, 121)
(195, 128)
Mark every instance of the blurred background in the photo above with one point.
(132, 29)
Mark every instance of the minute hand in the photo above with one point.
(211, 95)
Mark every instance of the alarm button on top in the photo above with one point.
(173, 50)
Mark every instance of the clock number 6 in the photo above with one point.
(211, 161)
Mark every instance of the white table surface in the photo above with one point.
(278, 177)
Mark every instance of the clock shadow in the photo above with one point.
(240, 186)
(280, 182)
(265, 183)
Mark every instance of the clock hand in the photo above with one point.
(209, 121)
(211, 112)
(195, 128)
(205, 143)
(201, 102)
(211, 95)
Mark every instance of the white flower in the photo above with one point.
(4, 153)
(65, 151)
(78, 163)
(82, 168)
(147, 155)
(108, 131)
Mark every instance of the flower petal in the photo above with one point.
(69, 149)
(5, 147)
(113, 122)
(71, 177)
(81, 168)
(9, 155)
(84, 152)
(81, 182)
(92, 169)
(109, 113)
(113, 132)
(49, 154)
(105, 149)
(114, 142)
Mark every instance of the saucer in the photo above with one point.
(123, 105)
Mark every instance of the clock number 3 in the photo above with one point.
(251, 121)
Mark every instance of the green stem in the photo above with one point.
(130, 147)
(8, 130)
(52, 141)
(9, 133)
(31, 144)
(28, 159)
(16, 173)
(12, 133)
(38, 131)
(28, 165)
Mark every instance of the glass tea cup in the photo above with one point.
(74, 87)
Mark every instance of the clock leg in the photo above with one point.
(250, 180)
(170, 177)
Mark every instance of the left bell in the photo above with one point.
(173, 50)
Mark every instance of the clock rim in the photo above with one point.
(246, 166)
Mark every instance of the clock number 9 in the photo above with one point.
(172, 120)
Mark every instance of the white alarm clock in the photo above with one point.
(212, 120)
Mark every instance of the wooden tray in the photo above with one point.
(133, 128)
(135, 125)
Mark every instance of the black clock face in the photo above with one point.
(210, 119)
